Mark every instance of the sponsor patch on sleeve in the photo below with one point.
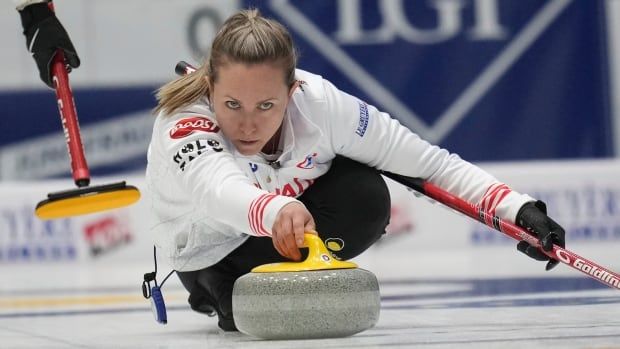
(194, 149)
(188, 126)
(363, 122)
(309, 162)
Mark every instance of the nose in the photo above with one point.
(247, 126)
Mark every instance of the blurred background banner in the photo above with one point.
(491, 80)
(586, 202)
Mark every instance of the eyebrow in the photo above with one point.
(260, 102)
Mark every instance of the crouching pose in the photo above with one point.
(249, 152)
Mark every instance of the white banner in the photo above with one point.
(119, 42)
(583, 196)
(118, 234)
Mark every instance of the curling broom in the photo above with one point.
(85, 199)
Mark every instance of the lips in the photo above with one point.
(246, 147)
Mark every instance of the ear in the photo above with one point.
(293, 88)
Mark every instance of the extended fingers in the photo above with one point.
(299, 230)
(531, 251)
(551, 264)
(276, 243)
(288, 239)
(537, 254)
(284, 239)
(310, 226)
(288, 230)
(548, 240)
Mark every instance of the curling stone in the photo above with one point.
(320, 297)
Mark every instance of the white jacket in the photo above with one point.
(208, 198)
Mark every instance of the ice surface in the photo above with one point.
(477, 298)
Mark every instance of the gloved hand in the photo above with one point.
(44, 36)
(533, 217)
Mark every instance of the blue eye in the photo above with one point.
(232, 104)
(265, 106)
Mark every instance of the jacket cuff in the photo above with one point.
(263, 212)
(20, 4)
(511, 204)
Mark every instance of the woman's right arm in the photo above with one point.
(198, 156)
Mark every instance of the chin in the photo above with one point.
(246, 151)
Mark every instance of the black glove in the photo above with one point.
(44, 36)
(533, 217)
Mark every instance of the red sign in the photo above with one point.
(186, 127)
(106, 233)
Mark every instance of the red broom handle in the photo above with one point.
(69, 120)
(565, 256)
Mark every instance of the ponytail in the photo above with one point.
(182, 91)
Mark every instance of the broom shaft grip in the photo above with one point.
(69, 120)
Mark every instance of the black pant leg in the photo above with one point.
(350, 205)
(211, 291)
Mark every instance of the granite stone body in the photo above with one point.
(306, 304)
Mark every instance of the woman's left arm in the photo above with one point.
(361, 132)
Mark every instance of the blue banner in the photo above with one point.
(491, 80)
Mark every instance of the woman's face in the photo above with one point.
(249, 102)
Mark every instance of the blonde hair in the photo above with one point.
(246, 37)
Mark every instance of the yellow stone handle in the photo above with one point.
(319, 258)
